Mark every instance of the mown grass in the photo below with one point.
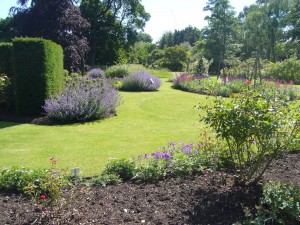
(144, 122)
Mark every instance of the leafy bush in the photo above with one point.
(255, 130)
(288, 70)
(6, 59)
(40, 184)
(95, 73)
(83, 99)
(279, 204)
(38, 73)
(17, 179)
(120, 167)
(5, 85)
(108, 179)
(118, 71)
(140, 81)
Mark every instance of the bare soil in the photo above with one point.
(200, 200)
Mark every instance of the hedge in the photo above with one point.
(6, 64)
(38, 73)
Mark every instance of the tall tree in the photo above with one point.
(59, 21)
(114, 26)
(220, 31)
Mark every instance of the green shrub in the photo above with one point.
(117, 71)
(108, 179)
(279, 204)
(121, 167)
(17, 179)
(5, 85)
(6, 60)
(288, 70)
(38, 71)
(255, 130)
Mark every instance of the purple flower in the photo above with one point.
(147, 156)
(95, 73)
(140, 156)
(141, 81)
(83, 99)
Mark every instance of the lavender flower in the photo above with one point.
(83, 99)
(140, 81)
(95, 73)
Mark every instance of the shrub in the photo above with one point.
(38, 183)
(4, 88)
(120, 167)
(288, 70)
(255, 130)
(95, 73)
(279, 204)
(117, 71)
(17, 179)
(38, 71)
(83, 99)
(6, 60)
(140, 81)
(177, 160)
(108, 179)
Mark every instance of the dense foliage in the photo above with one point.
(287, 70)
(255, 129)
(117, 71)
(114, 26)
(38, 73)
(83, 99)
(59, 21)
(140, 81)
(95, 73)
(279, 204)
(6, 61)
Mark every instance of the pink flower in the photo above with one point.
(43, 196)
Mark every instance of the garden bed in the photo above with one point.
(198, 200)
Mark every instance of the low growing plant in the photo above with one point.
(95, 73)
(107, 179)
(120, 167)
(279, 204)
(140, 81)
(117, 71)
(83, 99)
(43, 185)
(255, 130)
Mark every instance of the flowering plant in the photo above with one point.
(83, 99)
(140, 81)
(256, 130)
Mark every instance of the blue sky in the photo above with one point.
(166, 15)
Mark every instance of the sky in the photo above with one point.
(166, 15)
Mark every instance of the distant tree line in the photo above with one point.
(95, 32)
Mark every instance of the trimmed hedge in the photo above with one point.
(38, 73)
(6, 64)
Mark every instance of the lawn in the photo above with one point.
(144, 122)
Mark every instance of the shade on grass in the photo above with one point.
(144, 122)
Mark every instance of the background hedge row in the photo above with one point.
(6, 64)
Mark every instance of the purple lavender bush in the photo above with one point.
(83, 99)
(95, 73)
(141, 81)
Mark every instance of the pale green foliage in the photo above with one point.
(288, 70)
(280, 203)
(255, 131)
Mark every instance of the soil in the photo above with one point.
(202, 200)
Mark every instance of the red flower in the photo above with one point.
(43, 196)
(247, 82)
